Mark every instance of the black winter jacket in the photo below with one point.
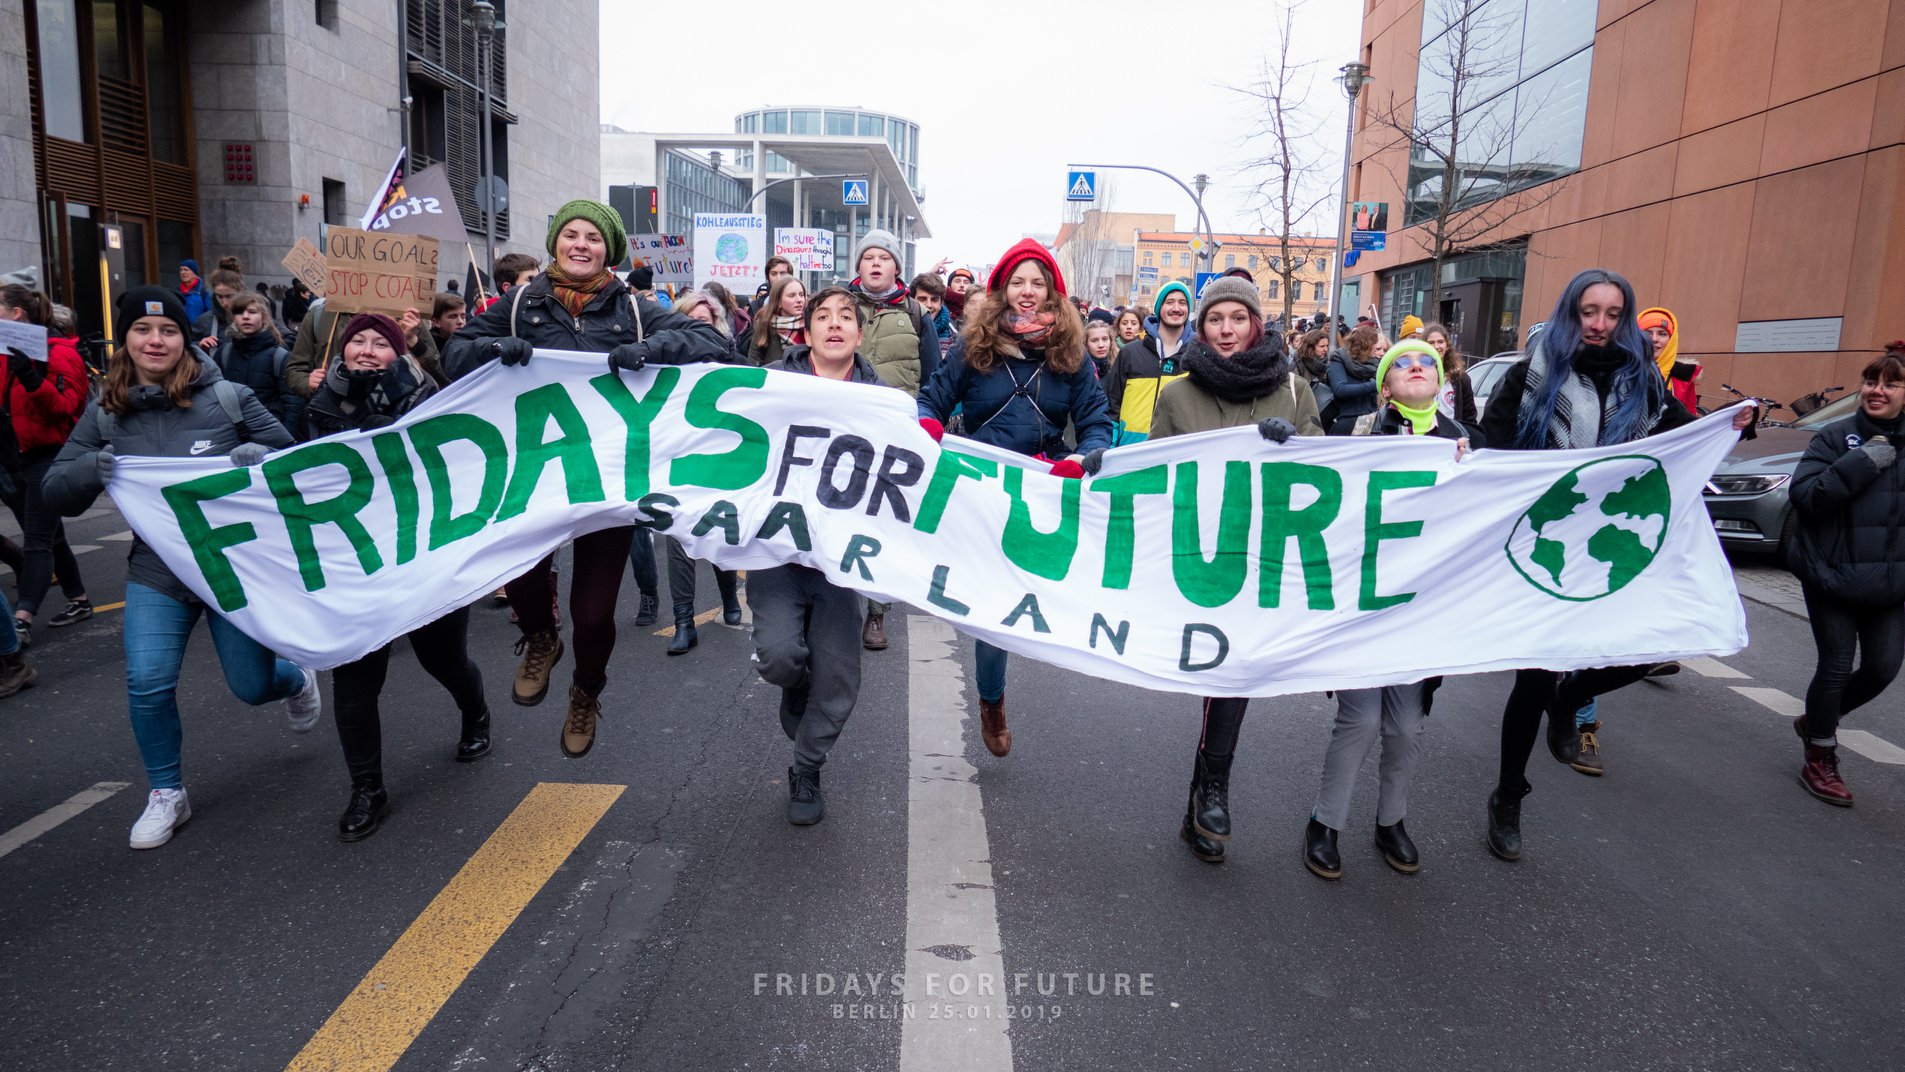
(1850, 515)
(258, 362)
(610, 319)
(800, 359)
(352, 401)
(1504, 408)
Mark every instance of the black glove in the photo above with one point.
(1276, 429)
(376, 421)
(1093, 461)
(28, 372)
(630, 356)
(512, 351)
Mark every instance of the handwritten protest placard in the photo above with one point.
(379, 273)
(666, 255)
(306, 262)
(810, 249)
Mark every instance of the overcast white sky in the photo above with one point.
(1006, 93)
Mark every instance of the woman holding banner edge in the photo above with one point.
(577, 303)
(1590, 380)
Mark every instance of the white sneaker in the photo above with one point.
(302, 710)
(166, 811)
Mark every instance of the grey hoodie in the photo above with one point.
(153, 427)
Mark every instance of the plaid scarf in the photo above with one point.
(574, 294)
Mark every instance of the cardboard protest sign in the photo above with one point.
(306, 262)
(666, 255)
(379, 273)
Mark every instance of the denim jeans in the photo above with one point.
(991, 670)
(156, 629)
(11, 642)
(1846, 633)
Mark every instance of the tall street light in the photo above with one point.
(483, 20)
(1354, 76)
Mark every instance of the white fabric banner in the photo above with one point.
(1213, 564)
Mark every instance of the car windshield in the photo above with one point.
(1831, 411)
(1484, 375)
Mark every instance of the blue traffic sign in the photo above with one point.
(853, 191)
(1205, 279)
(1081, 186)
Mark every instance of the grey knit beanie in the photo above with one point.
(878, 239)
(1229, 288)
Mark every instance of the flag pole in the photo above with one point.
(482, 294)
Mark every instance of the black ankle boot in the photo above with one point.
(365, 813)
(648, 610)
(1210, 796)
(1564, 737)
(1397, 849)
(475, 742)
(1319, 851)
(685, 635)
(1504, 822)
(728, 582)
(1211, 852)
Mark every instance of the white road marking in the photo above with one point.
(1876, 749)
(58, 814)
(1706, 667)
(1773, 700)
(118, 537)
(953, 955)
(82, 548)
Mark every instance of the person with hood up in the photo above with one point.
(1235, 375)
(958, 285)
(1849, 495)
(1683, 377)
(1020, 374)
(1411, 378)
(1588, 380)
(1142, 368)
(373, 385)
(806, 630)
(162, 398)
(578, 303)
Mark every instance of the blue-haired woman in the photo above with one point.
(1590, 381)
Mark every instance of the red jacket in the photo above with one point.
(43, 416)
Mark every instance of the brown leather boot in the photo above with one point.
(540, 652)
(17, 672)
(992, 726)
(578, 729)
(1820, 775)
(873, 633)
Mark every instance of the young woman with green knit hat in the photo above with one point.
(577, 303)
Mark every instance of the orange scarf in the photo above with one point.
(574, 294)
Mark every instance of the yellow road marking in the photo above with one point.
(393, 1003)
(701, 619)
(104, 607)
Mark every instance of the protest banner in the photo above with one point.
(29, 339)
(423, 204)
(667, 255)
(731, 250)
(379, 273)
(306, 263)
(1215, 564)
(389, 191)
(810, 249)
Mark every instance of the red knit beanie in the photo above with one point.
(1027, 248)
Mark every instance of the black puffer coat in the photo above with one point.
(351, 400)
(1850, 515)
(610, 319)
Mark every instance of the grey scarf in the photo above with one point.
(1577, 406)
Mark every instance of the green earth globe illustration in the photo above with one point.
(730, 249)
(1595, 530)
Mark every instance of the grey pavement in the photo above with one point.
(1692, 909)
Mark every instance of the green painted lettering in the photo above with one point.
(302, 517)
(937, 594)
(736, 468)
(209, 543)
(1121, 528)
(403, 489)
(573, 450)
(428, 438)
(722, 515)
(1028, 607)
(1375, 530)
(1191, 632)
(1117, 639)
(789, 516)
(638, 415)
(1283, 523)
(1041, 554)
(1215, 581)
(947, 472)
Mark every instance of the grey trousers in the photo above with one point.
(1397, 712)
(807, 633)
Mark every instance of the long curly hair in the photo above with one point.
(1638, 391)
(987, 340)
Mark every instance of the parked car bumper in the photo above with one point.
(1750, 522)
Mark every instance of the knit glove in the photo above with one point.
(1093, 461)
(1881, 451)
(103, 462)
(1276, 429)
(248, 454)
(1068, 469)
(26, 371)
(512, 351)
(629, 357)
(933, 428)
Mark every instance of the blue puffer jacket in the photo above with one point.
(1021, 404)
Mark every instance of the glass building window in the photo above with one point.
(1230, 260)
(111, 41)
(839, 124)
(60, 95)
(751, 123)
(1251, 263)
(872, 126)
(773, 122)
(804, 123)
(1147, 256)
(165, 113)
(1272, 286)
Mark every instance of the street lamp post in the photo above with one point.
(1352, 79)
(483, 20)
(1208, 258)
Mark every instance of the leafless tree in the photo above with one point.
(1464, 183)
(1292, 175)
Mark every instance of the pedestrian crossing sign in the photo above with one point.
(1081, 186)
(853, 191)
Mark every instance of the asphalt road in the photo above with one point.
(1692, 909)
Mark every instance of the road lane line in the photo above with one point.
(58, 814)
(1773, 700)
(117, 537)
(1876, 749)
(953, 954)
(706, 616)
(393, 1003)
(1706, 667)
(82, 548)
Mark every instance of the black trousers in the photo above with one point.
(442, 648)
(1223, 718)
(1534, 692)
(1843, 632)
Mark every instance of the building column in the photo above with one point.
(760, 174)
(661, 189)
(873, 198)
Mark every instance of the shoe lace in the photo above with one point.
(583, 711)
(539, 645)
(806, 785)
(1589, 742)
(1216, 794)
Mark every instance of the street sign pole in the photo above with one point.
(1197, 199)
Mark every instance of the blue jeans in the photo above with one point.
(156, 629)
(10, 643)
(991, 670)
(1587, 713)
